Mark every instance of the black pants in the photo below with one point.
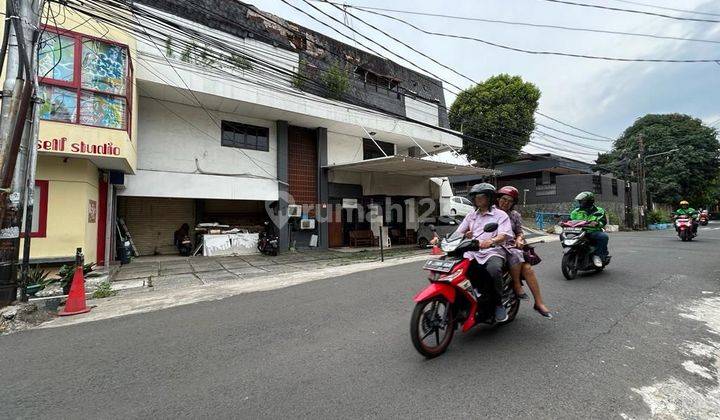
(492, 270)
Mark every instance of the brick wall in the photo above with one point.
(302, 165)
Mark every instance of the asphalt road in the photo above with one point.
(340, 348)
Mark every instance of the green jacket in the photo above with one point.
(689, 211)
(595, 214)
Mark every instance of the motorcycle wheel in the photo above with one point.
(432, 322)
(512, 312)
(569, 268)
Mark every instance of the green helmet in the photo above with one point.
(585, 199)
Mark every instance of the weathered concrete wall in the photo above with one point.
(317, 53)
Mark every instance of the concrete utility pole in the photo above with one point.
(642, 194)
(16, 140)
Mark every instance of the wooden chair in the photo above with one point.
(361, 238)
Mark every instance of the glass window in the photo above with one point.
(59, 104)
(56, 57)
(244, 136)
(103, 67)
(466, 201)
(102, 110)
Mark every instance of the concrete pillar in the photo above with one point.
(283, 179)
(322, 153)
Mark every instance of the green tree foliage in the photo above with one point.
(691, 173)
(336, 80)
(499, 110)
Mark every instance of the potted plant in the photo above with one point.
(67, 272)
(36, 280)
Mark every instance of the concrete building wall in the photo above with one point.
(180, 155)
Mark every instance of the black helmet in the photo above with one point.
(484, 188)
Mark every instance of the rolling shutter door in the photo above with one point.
(152, 222)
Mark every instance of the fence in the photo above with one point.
(543, 219)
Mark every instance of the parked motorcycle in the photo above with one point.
(704, 218)
(268, 241)
(684, 228)
(578, 250)
(451, 300)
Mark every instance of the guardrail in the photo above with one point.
(543, 219)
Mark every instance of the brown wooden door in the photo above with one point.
(335, 234)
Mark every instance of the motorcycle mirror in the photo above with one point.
(490, 227)
(432, 228)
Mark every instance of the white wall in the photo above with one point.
(180, 142)
(344, 149)
(421, 110)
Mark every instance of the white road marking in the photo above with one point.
(673, 398)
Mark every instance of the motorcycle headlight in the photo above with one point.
(570, 242)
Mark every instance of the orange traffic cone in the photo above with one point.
(76, 298)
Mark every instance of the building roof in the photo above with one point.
(404, 165)
(536, 163)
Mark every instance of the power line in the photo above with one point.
(570, 141)
(527, 24)
(571, 126)
(466, 137)
(641, 12)
(695, 12)
(363, 21)
(573, 135)
(537, 52)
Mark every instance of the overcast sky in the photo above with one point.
(600, 96)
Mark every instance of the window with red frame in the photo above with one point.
(84, 80)
(40, 207)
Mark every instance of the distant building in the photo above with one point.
(549, 183)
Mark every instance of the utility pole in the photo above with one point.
(16, 140)
(642, 194)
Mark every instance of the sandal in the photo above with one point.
(522, 296)
(547, 315)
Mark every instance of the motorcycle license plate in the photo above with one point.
(442, 266)
(572, 230)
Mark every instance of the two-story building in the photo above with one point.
(86, 138)
(236, 125)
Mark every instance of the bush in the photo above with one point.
(658, 216)
(336, 81)
(613, 219)
(104, 290)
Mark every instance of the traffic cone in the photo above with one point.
(76, 298)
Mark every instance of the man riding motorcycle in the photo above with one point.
(686, 210)
(489, 260)
(588, 211)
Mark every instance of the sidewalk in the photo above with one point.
(169, 272)
(201, 279)
(154, 283)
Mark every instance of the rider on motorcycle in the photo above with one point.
(490, 258)
(686, 210)
(588, 211)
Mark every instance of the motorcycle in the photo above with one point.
(268, 241)
(451, 301)
(704, 218)
(684, 228)
(578, 250)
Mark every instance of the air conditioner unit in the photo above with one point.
(307, 224)
(294, 210)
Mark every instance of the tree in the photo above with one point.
(691, 173)
(500, 111)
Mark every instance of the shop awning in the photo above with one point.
(404, 165)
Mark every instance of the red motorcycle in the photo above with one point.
(704, 218)
(451, 301)
(684, 228)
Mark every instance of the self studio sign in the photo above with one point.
(63, 145)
